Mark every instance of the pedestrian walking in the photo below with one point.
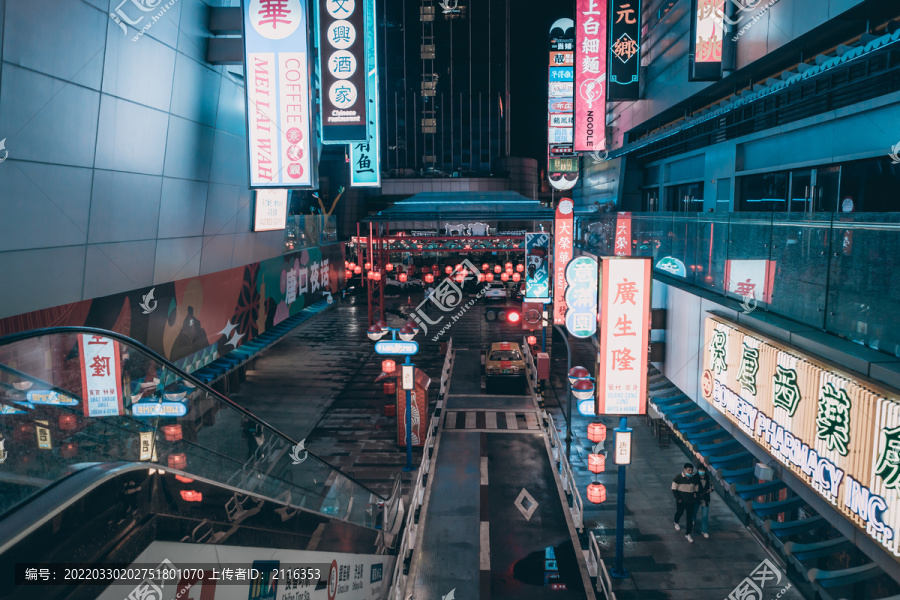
(684, 488)
(703, 495)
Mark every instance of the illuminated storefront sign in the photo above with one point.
(537, 267)
(623, 234)
(561, 105)
(750, 279)
(581, 297)
(624, 336)
(365, 160)
(342, 58)
(707, 33)
(276, 64)
(270, 211)
(566, 164)
(590, 75)
(562, 254)
(101, 384)
(624, 50)
(839, 435)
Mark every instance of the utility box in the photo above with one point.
(543, 365)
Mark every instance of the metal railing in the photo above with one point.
(597, 568)
(308, 231)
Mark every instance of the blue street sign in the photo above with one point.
(396, 347)
(159, 409)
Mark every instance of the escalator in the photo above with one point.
(122, 476)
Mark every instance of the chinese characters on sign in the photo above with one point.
(561, 105)
(590, 75)
(271, 210)
(623, 234)
(624, 336)
(342, 58)
(752, 279)
(537, 267)
(581, 297)
(706, 40)
(624, 50)
(562, 254)
(101, 385)
(840, 436)
(277, 93)
(365, 162)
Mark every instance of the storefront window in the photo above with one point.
(687, 197)
(766, 192)
(871, 185)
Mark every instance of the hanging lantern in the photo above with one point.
(504, 277)
(389, 267)
(177, 461)
(467, 247)
(390, 410)
(577, 373)
(67, 422)
(191, 496)
(377, 276)
(402, 277)
(388, 366)
(371, 275)
(596, 432)
(596, 493)
(68, 450)
(357, 270)
(368, 266)
(429, 278)
(448, 269)
(583, 389)
(390, 387)
(172, 432)
(485, 267)
(459, 278)
(480, 277)
(489, 276)
(596, 463)
(508, 265)
(516, 277)
(531, 340)
(346, 264)
(497, 269)
(520, 268)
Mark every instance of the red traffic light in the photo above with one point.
(513, 317)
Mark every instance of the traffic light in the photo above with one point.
(502, 315)
(531, 315)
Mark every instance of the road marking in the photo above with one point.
(485, 547)
(490, 419)
(520, 504)
(450, 422)
(484, 474)
(511, 421)
(531, 420)
(470, 420)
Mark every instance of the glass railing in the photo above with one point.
(72, 395)
(307, 231)
(833, 271)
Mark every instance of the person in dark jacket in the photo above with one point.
(704, 487)
(684, 488)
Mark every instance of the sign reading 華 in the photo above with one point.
(838, 434)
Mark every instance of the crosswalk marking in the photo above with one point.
(450, 423)
(470, 420)
(531, 420)
(511, 421)
(491, 420)
(488, 422)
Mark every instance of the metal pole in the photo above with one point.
(568, 393)
(619, 571)
(409, 465)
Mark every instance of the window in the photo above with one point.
(766, 192)
(505, 355)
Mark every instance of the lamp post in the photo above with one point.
(407, 369)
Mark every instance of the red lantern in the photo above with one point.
(467, 247)
(390, 387)
(388, 366)
(346, 264)
(191, 496)
(390, 410)
(402, 277)
(389, 267)
(184, 479)
(497, 269)
(516, 277)
(371, 275)
(508, 265)
(68, 450)
(509, 271)
(448, 269)
(172, 432)
(67, 422)
(485, 267)
(177, 461)
(357, 270)
(489, 276)
(596, 432)
(429, 278)
(348, 274)
(596, 493)
(480, 277)
(531, 340)
(368, 266)
(377, 276)
(596, 463)
(520, 268)
(504, 277)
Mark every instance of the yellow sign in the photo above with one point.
(835, 431)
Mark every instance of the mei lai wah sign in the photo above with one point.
(838, 434)
(276, 68)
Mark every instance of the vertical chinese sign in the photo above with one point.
(342, 63)
(624, 336)
(590, 75)
(365, 163)
(276, 68)
(581, 297)
(101, 385)
(561, 106)
(562, 254)
(624, 50)
(707, 33)
(623, 234)
(537, 267)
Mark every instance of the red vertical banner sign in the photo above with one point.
(590, 75)
(101, 383)
(624, 336)
(623, 234)
(562, 254)
(419, 415)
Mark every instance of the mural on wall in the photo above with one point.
(194, 321)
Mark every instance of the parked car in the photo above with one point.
(504, 368)
(496, 290)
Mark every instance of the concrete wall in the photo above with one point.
(127, 159)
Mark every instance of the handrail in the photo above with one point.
(596, 564)
(166, 363)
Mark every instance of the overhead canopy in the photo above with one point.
(459, 206)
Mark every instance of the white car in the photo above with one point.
(496, 290)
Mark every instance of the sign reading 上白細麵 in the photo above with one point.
(624, 50)
(581, 297)
(276, 68)
(537, 267)
(101, 384)
(590, 75)
(562, 254)
(342, 57)
(624, 336)
(839, 435)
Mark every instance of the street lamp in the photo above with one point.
(407, 332)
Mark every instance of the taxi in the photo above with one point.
(504, 363)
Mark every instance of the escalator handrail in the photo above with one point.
(34, 333)
(53, 500)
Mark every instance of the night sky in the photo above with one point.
(529, 32)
